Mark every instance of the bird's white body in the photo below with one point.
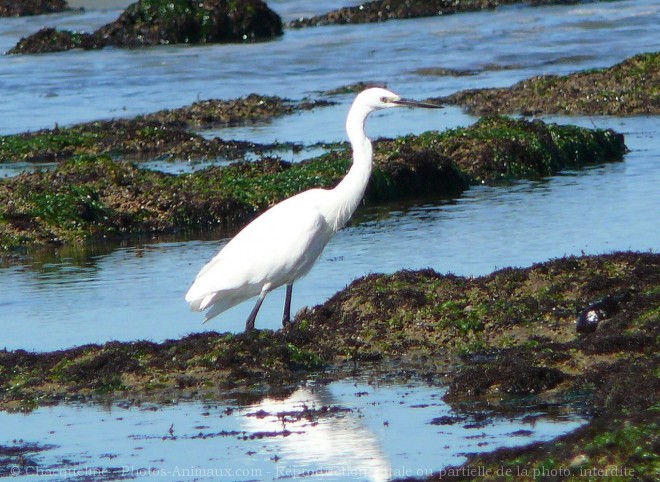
(283, 243)
(277, 248)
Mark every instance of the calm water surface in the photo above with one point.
(348, 430)
(135, 290)
(502, 47)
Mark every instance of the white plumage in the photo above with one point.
(283, 243)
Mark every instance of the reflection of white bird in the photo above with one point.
(283, 243)
(332, 445)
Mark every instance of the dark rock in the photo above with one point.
(52, 40)
(622, 384)
(510, 374)
(24, 8)
(161, 22)
(447, 420)
(411, 170)
(162, 133)
(186, 21)
(382, 10)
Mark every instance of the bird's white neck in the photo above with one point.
(350, 190)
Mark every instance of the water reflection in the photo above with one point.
(325, 438)
(12, 169)
(358, 428)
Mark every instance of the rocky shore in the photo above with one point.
(23, 8)
(631, 87)
(91, 195)
(383, 10)
(497, 338)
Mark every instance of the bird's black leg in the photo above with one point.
(286, 317)
(249, 324)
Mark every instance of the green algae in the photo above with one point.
(70, 208)
(500, 148)
(49, 145)
(305, 359)
(618, 450)
(91, 194)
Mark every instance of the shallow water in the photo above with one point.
(348, 430)
(134, 290)
(503, 46)
(73, 298)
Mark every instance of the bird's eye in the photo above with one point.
(384, 100)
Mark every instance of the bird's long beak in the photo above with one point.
(416, 103)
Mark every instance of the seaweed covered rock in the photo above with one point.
(52, 40)
(153, 22)
(191, 364)
(92, 197)
(102, 197)
(382, 10)
(162, 133)
(492, 149)
(631, 87)
(214, 112)
(159, 22)
(22, 8)
(513, 330)
(497, 149)
(510, 333)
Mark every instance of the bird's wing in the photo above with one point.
(277, 247)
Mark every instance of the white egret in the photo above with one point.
(283, 243)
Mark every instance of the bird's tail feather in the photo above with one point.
(200, 304)
(222, 303)
(218, 302)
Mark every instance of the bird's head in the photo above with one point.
(377, 98)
